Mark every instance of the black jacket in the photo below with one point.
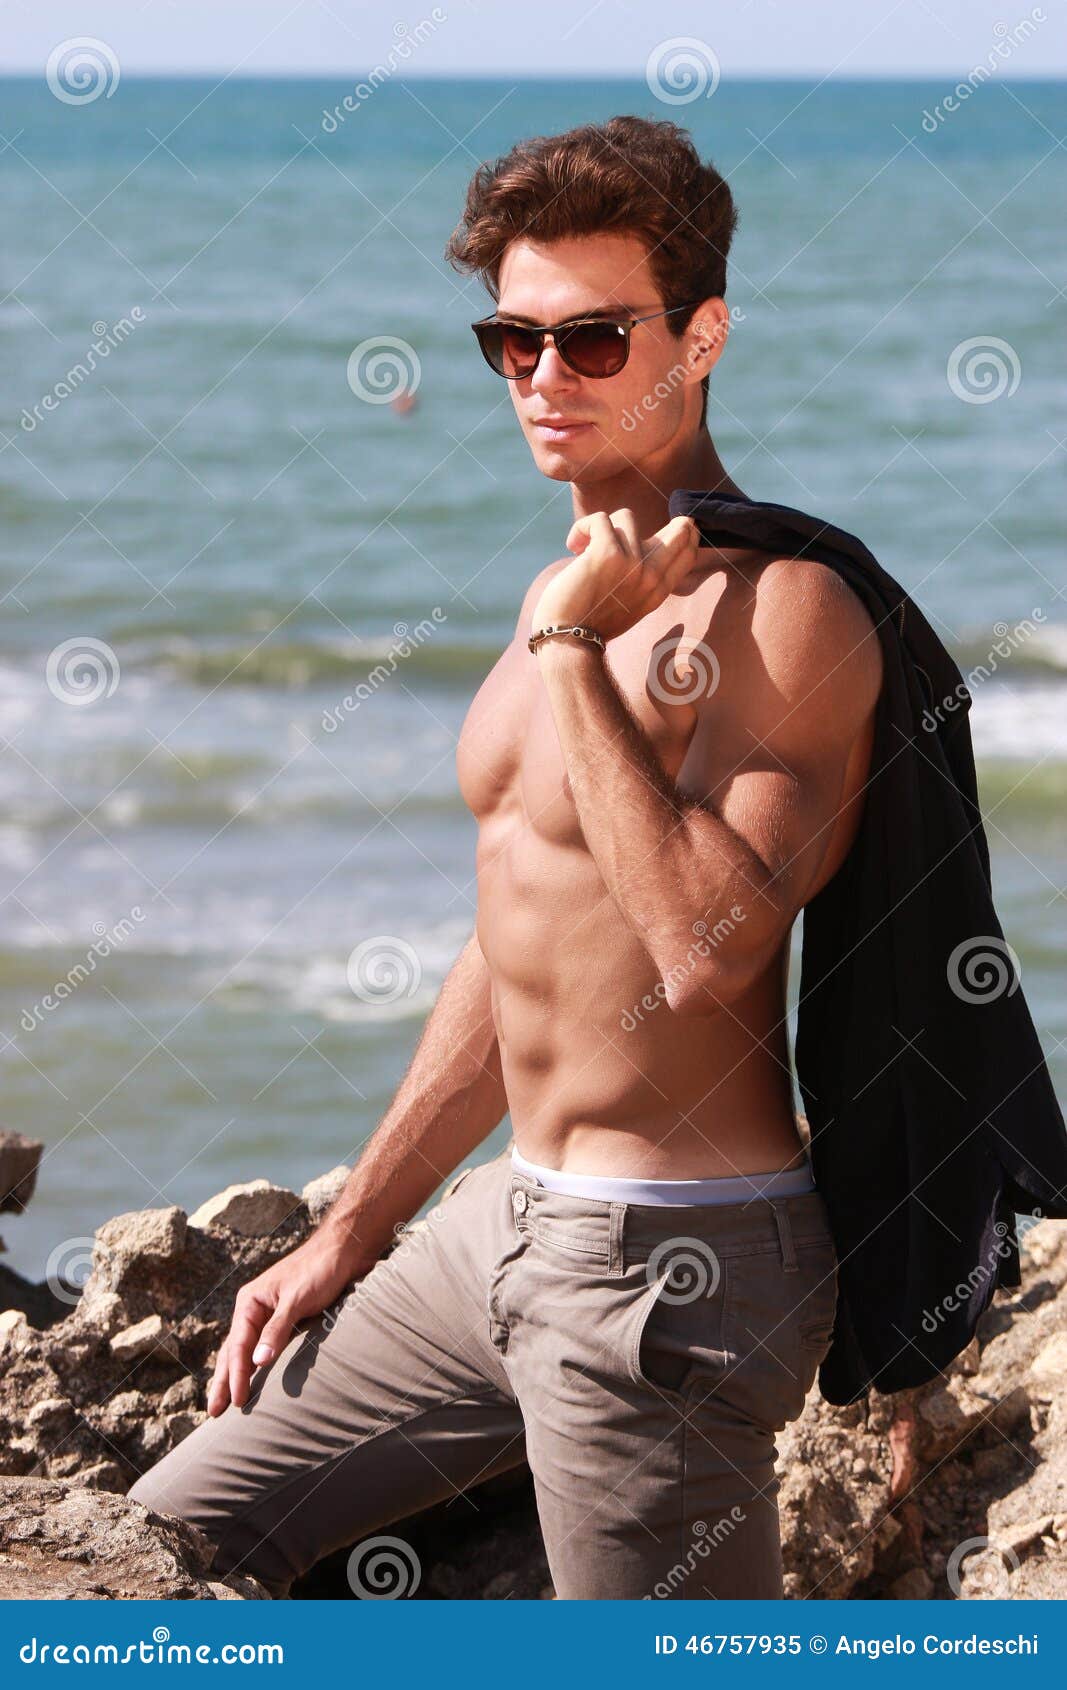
(932, 1113)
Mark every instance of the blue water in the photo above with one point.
(248, 537)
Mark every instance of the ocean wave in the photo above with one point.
(1016, 789)
(1042, 652)
(303, 663)
(319, 986)
(1026, 722)
(259, 804)
(402, 986)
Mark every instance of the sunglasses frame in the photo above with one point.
(623, 324)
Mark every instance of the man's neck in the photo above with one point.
(646, 488)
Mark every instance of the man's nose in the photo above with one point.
(551, 371)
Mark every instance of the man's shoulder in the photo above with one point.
(799, 639)
(808, 622)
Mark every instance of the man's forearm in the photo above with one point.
(450, 1099)
(642, 835)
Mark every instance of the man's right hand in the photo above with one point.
(267, 1309)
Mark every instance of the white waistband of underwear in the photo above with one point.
(609, 1188)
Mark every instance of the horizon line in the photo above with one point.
(28, 74)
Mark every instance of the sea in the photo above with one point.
(247, 601)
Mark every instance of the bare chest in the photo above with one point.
(509, 761)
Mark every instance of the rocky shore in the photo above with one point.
(955, 1490)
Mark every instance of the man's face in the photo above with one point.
(627, 417)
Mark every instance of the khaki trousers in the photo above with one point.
(640, 1358)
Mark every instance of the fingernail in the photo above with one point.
(262, 1353)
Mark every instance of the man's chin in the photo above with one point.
(561, 463)
(555, 466)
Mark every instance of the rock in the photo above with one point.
(181, 1424)
(1024, 1534)
(829, 1517)
(915, 1585)
(140, 1236)
(14, 1329)
(19, 1159)
(320, 1193)
(252, 1209)
(105, 1475)
(148, 1337)
(1041, 1578)
(53, 1415)
(159, 1297)
(130, 1254)
(184, 1393)
(883, 1499)
(1050, 1365)
(101, 1308)
(66, 1541)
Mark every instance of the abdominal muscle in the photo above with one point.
(601, 1075)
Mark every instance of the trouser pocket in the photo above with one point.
(498, 1286)
(678, 1333)
(779, 1325)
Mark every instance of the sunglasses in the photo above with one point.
(590, 346)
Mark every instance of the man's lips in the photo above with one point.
(560, 425)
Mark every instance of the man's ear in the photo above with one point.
(707, 334)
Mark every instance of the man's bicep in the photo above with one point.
(772, 753)
(786, 811)
(783, 803)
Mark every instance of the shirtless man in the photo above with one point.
(652, 815)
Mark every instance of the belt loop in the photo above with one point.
(616, 1252)
(785, 1238)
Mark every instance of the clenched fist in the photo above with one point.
(617, 578)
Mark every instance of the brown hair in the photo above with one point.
(630, 174)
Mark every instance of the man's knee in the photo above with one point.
(159, 1491)
(237, 1546)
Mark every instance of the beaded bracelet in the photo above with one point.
(582, 633)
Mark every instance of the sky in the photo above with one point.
(906, 38)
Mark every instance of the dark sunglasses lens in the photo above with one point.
(594, 349)
(511, 350)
